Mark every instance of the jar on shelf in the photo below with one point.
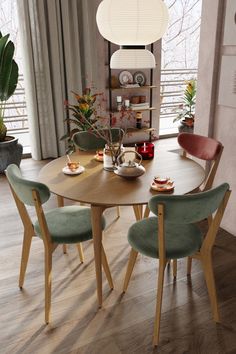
(127, 104)
(119, 103)
(139, 117)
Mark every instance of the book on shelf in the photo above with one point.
(130, 85)
(137, 106)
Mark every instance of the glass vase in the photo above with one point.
(110, 155)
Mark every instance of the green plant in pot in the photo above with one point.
(10, 150)
(186, 111)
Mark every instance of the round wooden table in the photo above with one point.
(102, 189)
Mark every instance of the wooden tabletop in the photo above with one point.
(99, 187)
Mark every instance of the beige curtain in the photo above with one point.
(62, 49)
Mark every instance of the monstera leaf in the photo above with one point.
(8, 68)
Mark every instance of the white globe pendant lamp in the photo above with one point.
(132, 24)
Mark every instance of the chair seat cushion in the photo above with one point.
(181, 240)
(70, 224)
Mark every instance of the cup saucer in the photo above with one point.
(167, 187)
(78, 171)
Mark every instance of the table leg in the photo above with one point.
(138, 211)
(97, 244)
(60, 203)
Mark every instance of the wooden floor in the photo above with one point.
(125, 323)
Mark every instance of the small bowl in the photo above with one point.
(142, 99)
(99, 153)
(159, 180)
(134, 99)
(73, 166)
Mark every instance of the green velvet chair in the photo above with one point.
(86, 140)
(70, 224)
(173, 234)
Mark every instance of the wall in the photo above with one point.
(214, 120)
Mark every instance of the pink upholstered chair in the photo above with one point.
(206, 149)
(203, 148)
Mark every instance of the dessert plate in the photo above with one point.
(167, 187)
(78, 171)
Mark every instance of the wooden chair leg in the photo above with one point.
(175, 268)
(25, 256)
(60, 203)
(118, 211)
(209, 220)
(141, 211)
(210, 281)
(146, 212)
(189, 265)
(81, 253)
(132, 259)
(107, 269)
(48, 283)
(160, 283)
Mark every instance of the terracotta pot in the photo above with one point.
(185, 128)
(134, 99)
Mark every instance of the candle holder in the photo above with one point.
(146, 150)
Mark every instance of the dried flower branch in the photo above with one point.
(88, 114)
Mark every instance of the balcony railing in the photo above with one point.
(173, 82)
(16, 118)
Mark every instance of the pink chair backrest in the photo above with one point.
(200, 146)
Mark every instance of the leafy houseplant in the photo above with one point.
(88, 115)
(186, 111)
(10, 150)
(84, 115)
(8, 78)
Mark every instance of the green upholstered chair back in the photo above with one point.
(191, 208)
(23, 187)
(90, 141)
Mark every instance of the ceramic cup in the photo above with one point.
(159, 180)
(73, 166)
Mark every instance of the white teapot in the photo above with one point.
(130, 169)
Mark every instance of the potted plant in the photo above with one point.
(84, 115)
(88, 114)
(10, 150)
(186, 111)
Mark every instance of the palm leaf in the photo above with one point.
(3, 41)
(8, 70)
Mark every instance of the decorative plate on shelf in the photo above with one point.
(125, 77)
(139, 78)
(78, 171)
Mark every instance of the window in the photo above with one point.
(15, 113)
(180, 47)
